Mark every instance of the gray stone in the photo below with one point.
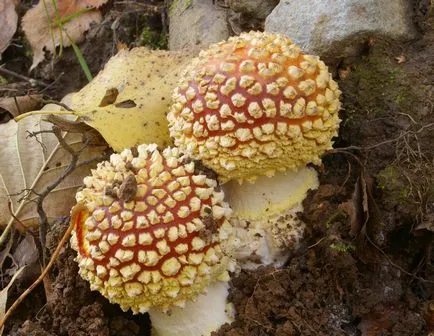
(334, 29)
(253, 8)
(195, 24)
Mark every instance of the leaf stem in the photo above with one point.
(28, 114)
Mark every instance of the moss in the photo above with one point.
(335, 218)
(188, 4)
(153, 39)
(176, 5)
(394, 186)
(382, 86)
(3, 80)
(343, 247)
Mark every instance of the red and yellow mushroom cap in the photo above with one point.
(149, 229)
(253, 105)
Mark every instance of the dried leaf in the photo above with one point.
(4, 295)
(49, 291)
(69, 125)
(109, 97)
(356, 207)
(42, 31)
(8, 23)
(401, 59)
(26, 252)
(29, 165)
(128, 100)
(18, 105)
(378, 321)
(427, 222)
(344, 72)
(68, 7)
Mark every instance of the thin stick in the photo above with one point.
(40, 278)
(43, 220)
(50, 101)
(17, 105)
(20, 225)
(32, 81)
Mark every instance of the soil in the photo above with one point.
(364, 267)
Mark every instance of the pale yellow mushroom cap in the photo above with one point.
(253, 105)
(149, 229)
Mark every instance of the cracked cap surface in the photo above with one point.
(148, 229)
(253, 105)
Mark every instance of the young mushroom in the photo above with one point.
(149, 232)
(252, 106)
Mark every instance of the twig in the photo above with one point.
(20, 225)
(5, 252)
(17, 105)
(317, 243)
(43, 220)
(403, 134)
(396, 265)
(152, 8)
(50, 101)
(32, 81)
(40, 278)
(52, 83)
(32, 135)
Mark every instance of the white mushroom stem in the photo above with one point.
(197, 318)
(264, 217)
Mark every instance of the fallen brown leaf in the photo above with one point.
(356, 207)
(378, 321)
(428, 314)
(344, 72)
(427, 223)
(18, 105)
(28, 165)
(401, 59)
(26, 254)
(8, 23)
(4, 295)
(39, 24)
(68, 7)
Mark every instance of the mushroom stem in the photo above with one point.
(198, 318)
(264, 216)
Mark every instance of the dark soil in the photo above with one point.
(365, 266)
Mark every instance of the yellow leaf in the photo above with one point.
(127, 102)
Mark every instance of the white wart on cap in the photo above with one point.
(148, 230)
(253, 105)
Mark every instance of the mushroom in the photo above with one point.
(266, 225)
(252, 106)
(150, 233)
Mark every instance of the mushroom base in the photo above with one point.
(198, 318)
(265, 221)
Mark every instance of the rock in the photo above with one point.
(337, 29)
(253, 8)
(195, 24)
